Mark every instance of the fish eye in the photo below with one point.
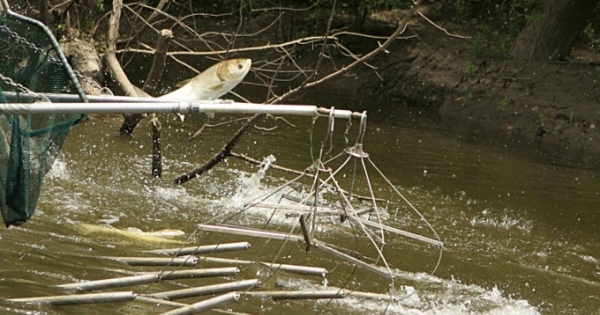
(240, 66)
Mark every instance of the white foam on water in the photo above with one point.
(505, 221)
(439, 297)
(590, 259)
(59, 169)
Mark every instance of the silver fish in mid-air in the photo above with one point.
(212, 83)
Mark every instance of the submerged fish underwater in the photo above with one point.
(131, 234)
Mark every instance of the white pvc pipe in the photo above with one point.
(205, 305)
(183, 107)
(250, 232)
(89, 298)
(206, 290)
(111, 283)
(95, 108)
(204, 249)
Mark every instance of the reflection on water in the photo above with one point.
(521, 235)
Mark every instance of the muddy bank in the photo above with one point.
(548, 108)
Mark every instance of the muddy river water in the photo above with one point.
(521, 233)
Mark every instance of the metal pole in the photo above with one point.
(205, 305)
(111, 283)
(354, 261)
(183, 107)
(303, 270)
(299, 295)
(189, 261)
(89, 298)
(95, 108)
(250, 232)
(201, 250)
(402, 232)
(205, 290)
(15, 97)
(197, 273)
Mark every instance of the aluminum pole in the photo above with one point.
(183, 107)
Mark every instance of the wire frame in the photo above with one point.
(330, 214)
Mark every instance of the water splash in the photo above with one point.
(505, 221)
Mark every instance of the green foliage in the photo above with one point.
(467, 94)
(590, 38)
(497, 23)
(470, 68)
(558, 128)
(100, 5)
(360, 10)
(490, 43)
(478, 44)
(101, 45)
(589, 32)
(533, 17)
(505, 102)
(89, 25)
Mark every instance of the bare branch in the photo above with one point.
(152, 16)
(222, 154)
(283, 119)
(401, 28)
(111, 59)
(441, 28)
(265, 128)
(204, 126)
(285, 8)
(158, 63)
(302, 41)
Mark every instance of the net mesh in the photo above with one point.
(29, 144)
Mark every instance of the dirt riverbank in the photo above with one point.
(550, 108)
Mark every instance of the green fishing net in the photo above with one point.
(30, 63)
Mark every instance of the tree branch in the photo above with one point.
(226, 149)
(111, 59)
(401, 28)
(222, 154)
